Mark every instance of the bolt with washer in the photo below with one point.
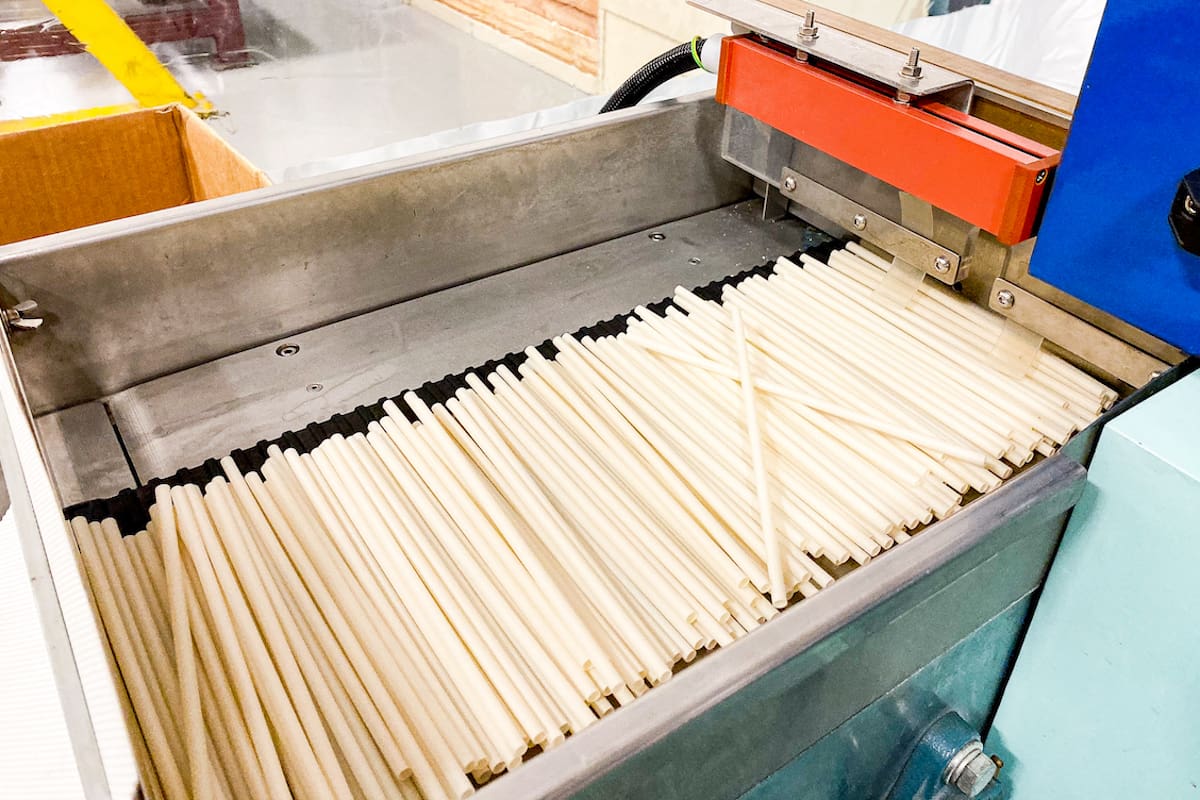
(809, 30)
(1005, 299)
(789, 183)
(970, 770)
(912, 68)
(860, 222)
(941, 264)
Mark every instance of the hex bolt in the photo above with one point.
(1005, 299)
(970, 770)
(860, 222)
(941, 264)
(789, 183)
(809, 30)
(912, 68)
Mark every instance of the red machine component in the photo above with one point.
(966, 166)
(219, 20)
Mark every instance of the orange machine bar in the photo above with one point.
(947, 159)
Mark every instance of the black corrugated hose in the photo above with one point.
(674, 62)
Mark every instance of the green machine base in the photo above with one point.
(1104, 700)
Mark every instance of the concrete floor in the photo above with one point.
(330, 79)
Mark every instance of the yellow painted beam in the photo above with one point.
(114, 44)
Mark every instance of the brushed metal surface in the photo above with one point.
(135, 299)
(181, 419)
(84, 453)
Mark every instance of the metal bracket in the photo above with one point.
(1105, 351)
(939, 262)
(898, 71)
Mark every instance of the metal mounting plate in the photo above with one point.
(875, 228)
(874, 61)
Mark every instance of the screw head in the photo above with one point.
(860, 222)
(658, 237)
(789, 183)
(285, 350)
(314, 387)
(1041, 177)
(1005, 299)
(941, 264)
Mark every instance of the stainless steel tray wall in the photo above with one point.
(135, 299)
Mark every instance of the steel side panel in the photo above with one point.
(1105, 237)
(983, 181)
(864, 757)
(721, 725)
(136, 299)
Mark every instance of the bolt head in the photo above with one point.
(975, 775)
(789, 183)
(941, 264)
(860, 222)
(1005, 298)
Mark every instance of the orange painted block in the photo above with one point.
(967, 167)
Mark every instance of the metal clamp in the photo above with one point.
(939, 262)
(1122, 361)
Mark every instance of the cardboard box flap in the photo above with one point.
(82, 173)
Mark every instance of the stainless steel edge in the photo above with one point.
(968, 539)
(73, 643)
(129, 301)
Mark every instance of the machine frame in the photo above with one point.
(159, 327)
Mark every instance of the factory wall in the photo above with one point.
(595, 44)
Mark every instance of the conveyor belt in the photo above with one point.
(130, 508)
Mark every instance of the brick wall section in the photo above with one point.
(567, 30)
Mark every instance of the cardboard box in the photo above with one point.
(81, 173)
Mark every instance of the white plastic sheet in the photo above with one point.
(1049, 41)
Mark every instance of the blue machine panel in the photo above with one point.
(1105, 237)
